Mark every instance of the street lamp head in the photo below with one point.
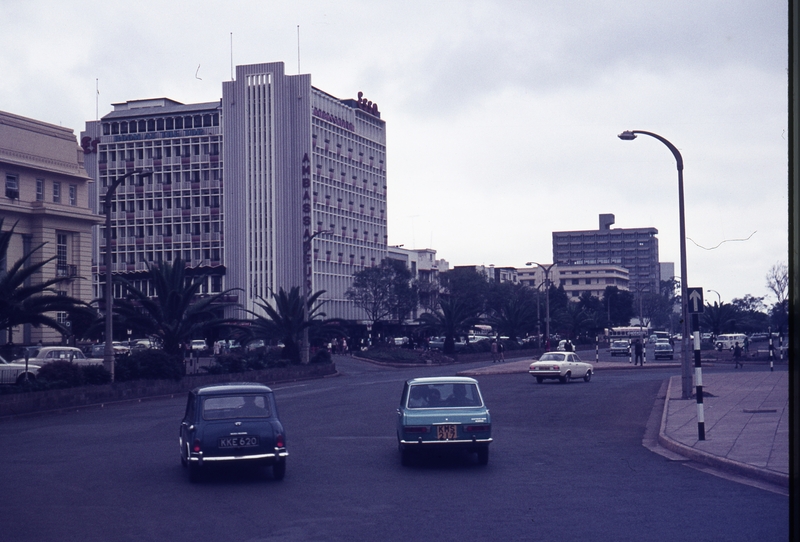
(627, 135)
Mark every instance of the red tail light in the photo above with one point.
(477, 428)
(279, 442)
(196, 445)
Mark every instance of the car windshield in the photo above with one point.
(235, 406)
(552, 357)
(444, 395)
(620, 344)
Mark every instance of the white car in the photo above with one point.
(15, 373)
(563, 366)
(198, 345)
(46, 354)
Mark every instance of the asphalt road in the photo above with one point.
(567, 464)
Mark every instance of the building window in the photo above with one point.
(39, 189)
(56, 192)
(73, 194)
(12, 187)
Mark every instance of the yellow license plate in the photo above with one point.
(446, 432)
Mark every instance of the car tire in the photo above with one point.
(405, 457)
(483, 455)
(21, 378)
(279, 470)
(566, 378)
(539, 379)
(588, 376)
(194, 473)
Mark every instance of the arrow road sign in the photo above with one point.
(695, 300)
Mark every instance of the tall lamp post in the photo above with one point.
(719, 297)
(686, 365)
(108, 351)
(308, 270)
(546, 269)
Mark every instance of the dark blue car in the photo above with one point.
(232, 423)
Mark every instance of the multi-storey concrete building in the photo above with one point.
(177, 211)
(305, 179)
(425, 270)
(46, 194)
(578, 279)
(278, 185)
(635, 249)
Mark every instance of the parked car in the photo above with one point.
(45, 354)
(663, 350)
(438, 413)
(16, 372)
(563, 366)
(237, 423)
(198, 345)
(620, 348)
(99, 349)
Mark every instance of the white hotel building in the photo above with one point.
(238, 187)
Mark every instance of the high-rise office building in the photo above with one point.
(305, 184)
(175, 212)
(635, 249)
(277, 185)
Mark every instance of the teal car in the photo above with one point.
(443, 413)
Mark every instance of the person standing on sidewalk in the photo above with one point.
(494, 350)
(737, 356)
(638, 351)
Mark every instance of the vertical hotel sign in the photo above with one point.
(305, 177)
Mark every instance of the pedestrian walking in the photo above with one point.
(500, 350)
(737, 356)
(494, 350)
(638, 350)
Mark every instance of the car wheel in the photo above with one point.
(194, 473)
(588, 376)
(279, 470)
(566, 378)
(483, 456)
(21, 378)
(405, 457)
(539, 379)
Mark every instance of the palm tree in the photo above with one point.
(453, 317)
(515, 317)
(24, 303)
(177, 314)
(286, 321)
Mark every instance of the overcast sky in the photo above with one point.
(502, 116)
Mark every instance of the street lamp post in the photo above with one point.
(108, 350)
(686, 365)
(308, 269)
(546, 269)
(719, 297)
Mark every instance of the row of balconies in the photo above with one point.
(165, 239)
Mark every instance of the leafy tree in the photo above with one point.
(751, 313)
(178, 313)
(453, 317)
(24, 303)
(619, 306)
(467, 285)
(384, 291)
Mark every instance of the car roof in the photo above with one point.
(232, 387)
(443, 380)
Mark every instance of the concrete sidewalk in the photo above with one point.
(746, 418)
